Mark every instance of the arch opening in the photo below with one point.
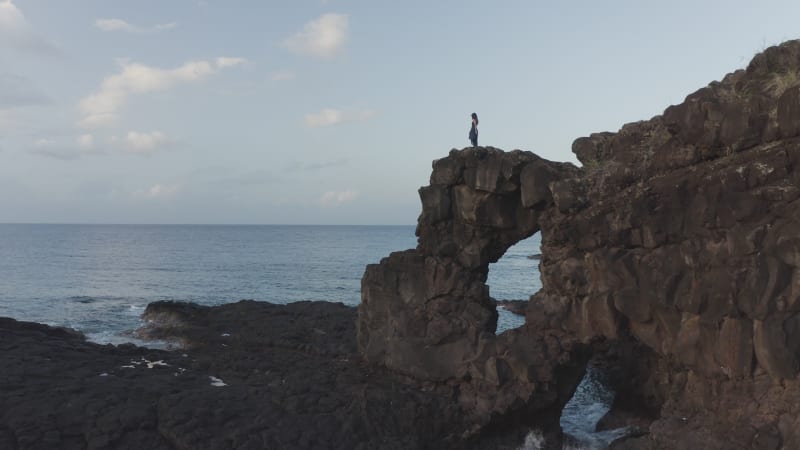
(513, 279)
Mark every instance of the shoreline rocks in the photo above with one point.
(518, 307)
(253, 375)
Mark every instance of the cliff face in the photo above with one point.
(426, 312)
(688, 243)
(680, 234)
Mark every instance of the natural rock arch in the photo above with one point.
(427, 313)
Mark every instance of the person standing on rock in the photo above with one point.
(473, 132)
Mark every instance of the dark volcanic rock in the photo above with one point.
(518, 307)
(426, 312)
(680, 236)
(292, 380)
(686, 244)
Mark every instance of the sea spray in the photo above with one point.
(591, 401)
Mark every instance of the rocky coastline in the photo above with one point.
(246, 375)
(249, 375)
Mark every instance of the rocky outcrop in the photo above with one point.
(687, 244)
(680, 237)
(427, 313)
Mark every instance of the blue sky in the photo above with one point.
(326, 112)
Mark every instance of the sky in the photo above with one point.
(326, 111)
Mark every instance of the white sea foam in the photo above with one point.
(579, 418)
(151, 364)
(216, 382)
(533, 441)
(145, 362)
(136, 310)
(114, 338)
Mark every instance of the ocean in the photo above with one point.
(98, 279)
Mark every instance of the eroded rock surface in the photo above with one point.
(426, 312)
(256, 376)
(687, 244)
(680, 236)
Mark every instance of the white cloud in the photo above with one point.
(64, 149)
(8, 120)
(332, 199)
(115, 25)
(225, 62)
(165, 26)
(281, 75)
(324, 118)
(76, 147)
(307, 167)
(121, 25)
(158, 191)
(330, 116)
(323, 38)
(86, 141)
(102, 107)
(162, 191)
(17, 34)
(143, 143)
(43, 142)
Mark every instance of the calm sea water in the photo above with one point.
(99, 278)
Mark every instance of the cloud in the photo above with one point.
(159, 191)
(330, 116)
(322, 38)
(115, 25)
(333, 199)
(142, 143)
(8, 120)
(86, 142)
(64, 150)
(225, 62)
(17, 91)
(77, 147)
(324, 118)
(282, 75)
(165, 26)
(252, 178)
(102, 107)
(17, 34)
(308, 167)
(121, 25)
